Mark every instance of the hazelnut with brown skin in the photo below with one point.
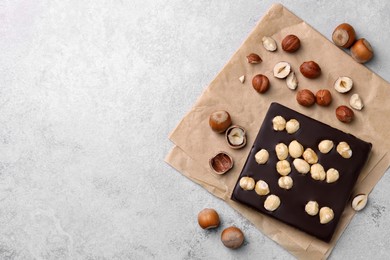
(361, 51)
(260, 83)
(291, 43)
(310, 69)
(208, 218)
(344, 35)
(344, 114)
(305, 98)
(323, 97)
(232, 237)
(253, 58)
(219, 121)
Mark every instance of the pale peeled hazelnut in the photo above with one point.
(332, 175)
(261, 188)
(242, 79)
(359, 202)
(356, 102)
(325, 146)
(253, 58)
(343, 84)
(262, 156)
(282, 69)
(292, 81)
(272, 202)
(285, 182)
(208, 218)
(344, 150)
(326, 215)
(361, 51)
(301, 165)
(295, 149)
(283, 167)
(311, 208)
(310, 156)
(232, 237)
(344, 35)
(317, 172)
(281, 151)
(279, 123)
(269, 43)
(247, 183)
(292, 126)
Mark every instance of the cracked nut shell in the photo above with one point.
(221, 163)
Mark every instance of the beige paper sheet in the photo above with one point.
(195, 143)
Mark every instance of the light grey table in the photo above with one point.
(89, 91)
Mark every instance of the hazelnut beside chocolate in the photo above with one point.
(219, 121)
(208, 218)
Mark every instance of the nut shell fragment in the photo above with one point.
(356, 102)
(236, 137)
(221, 163)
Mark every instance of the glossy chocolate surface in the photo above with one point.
(293, 201)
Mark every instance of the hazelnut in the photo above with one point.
(247, 183)
(326, 215)
(356, 102)
(305, 98)
(282, 69)
(292, 126)
(260, 83)
(325, 146)
(269, 43)
(221, 163)
(310, 69)
(291, 43)
(219, 121)
(292, 81)
(311, 208)
(359, 202)
(343, 84)
(344, 150)
(323, 97)
(261, 188)
(232, 237)
(361, 51)
(317, 172)
(262, 156)
(310, 156)
(285, 182)
(272, 202)
(279, 123)
(295, 149)
(301, 165)
(253, 58)
(344, 114)
(208, 218)
(283, 167)
(236, 137)
(242, 79)
(332, 175)
(281, 151)
(344, 35)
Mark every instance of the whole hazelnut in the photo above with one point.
(311, 208)
(326, 215)
(291, 43)
(301, 166)
(219, 121)
(317, 172)
(260, 83)
(305, 98)
(344, 114)
(325, 146)
(232, 237)
(344, 150)
(261, 188)
(283, 167)
(323, 97)
(361, 51)
(310, 156)
(253, 58)
(272, 202)
(208, 218)
(332, 175)
(278, 123)
(344, 35)
(247, 183)
(281, 151)
(262, 156)
(295, 149)
(310, 69)
(292, 126)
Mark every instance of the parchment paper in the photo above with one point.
(195, 143)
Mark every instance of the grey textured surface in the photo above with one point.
(89, 91)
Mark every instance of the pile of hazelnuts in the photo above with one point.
(232, 237)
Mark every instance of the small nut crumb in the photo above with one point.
(281, 151)
(301, 166)
(269, 43)
(292, 81)
(262, 156)
(344, 150)
(285, 182)
(272, 202)
(359, 202)
(326, 215)
(292, 126)
(310, 156)
(356, 102)
(325, 146)
(279, 123)
(317, 172)
(261, 188)
(242, 79)
(247, 183)
(343, 84)
(332, 175)
(282, 69)
(311, 208)
(295, 149)
(283, 167)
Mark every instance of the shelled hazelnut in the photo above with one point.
(310, 156)
(262, 156)
(283, 167)
(317, 172)
(301, 165)
(272, 202)
(325, 146)
(295, 149)
(260, 83)
(291, 43)
(305, 98)
(332, 175)
(310, 69)
(247, 183)
(285, 182)
(261, 188)
(359, 202)
(281, 151)
(344, 150)
(311, 208)
(326, 215)
(323, 97)
(292, 126)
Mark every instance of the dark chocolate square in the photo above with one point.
(305, 188)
